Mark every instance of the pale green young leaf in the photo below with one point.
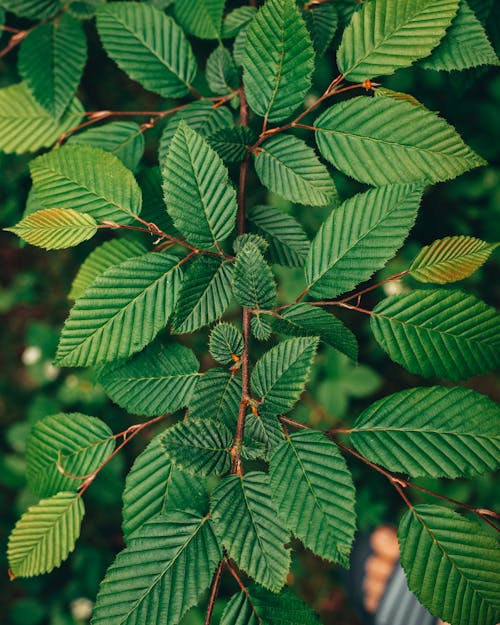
(382, 141)
(226, 343)
(45, 535)
(278, 60)
(438, 333)
(254, 285)
(321, 21)
(442, 551)
(87, 179)
(386, 35)
(236, 19)
(153, 204)
(199, 195)
(160, 379)
(217, 395)
(221, 72)
(249, 237)
(172, 551)
(232, 144)
(359, 237)
(135, 36)
(247, 525)
(435, 432)
(55, 228)
(33, 9)
(202, 18)
(121, 312)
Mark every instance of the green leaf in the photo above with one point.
(304, 320)
(382, 141)
(239, 45)
(221, 72)
(389, 34)
(202, 19)
(226, 343)
(217, 395)
(153, 486)
(55, 228)
(258, 606)
(153, 205)
(51, 61)
(289, 167)
(33, 9)
(465, 45)
(25, 126)
(200, 198)
(254, 285)
(442, 551)
(260, 327)
(278, 61)
(199, 447)
(288, 243)
(45, 535)
(83, 9)
(450, 259)
(135, 36)
(121, 312)
(266, 430)
(177, 550)
(87, 179)
(76, 442)
(246, 522)
(436, 432)
(280, 375)
(438, 333)
(205, 294)
(103, 257)
(232, 144)
(160, 379)
(248, 237)
(359, 237)
(124, 139)
(321, 512)
(236, 19)
(321, 21)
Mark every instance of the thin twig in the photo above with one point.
(214, 591)
(14, 41)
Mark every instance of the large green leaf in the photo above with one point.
(171, 552)
(280, 375)
(321, 21)
(304, 320)
(25, 126)
(51, 61)
(45, 535)
(321, 512)
(226, 343)
(254, 285)
(278, 61)
(202, 18)
(87, 179)
(205, 294)
(246, 522)
(223, 76)
(388, 34)
(76, 442)
(287, 166)
(149, 46)
(438, 333)
(158, 380)
(34, 9)
(450, 259)
(359, 237)
(236, 19)
(451, 564)
(121, 312)
(383, 140)
(436, 431)
(200, 198)
(153, 486)
(55, 228)
(217, 395)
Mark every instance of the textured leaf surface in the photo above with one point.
(87, 179)
(221, 72)
(436, 431)
(45, 535)
(236, 19)
(153, 204)
(450, 259)
(149, 46)
(121, 312)
(321, 21)
(217, 395)
(280, 375)
(202, 18)
(289, 167)
(266, 431)
(198, 193)
(438, 333)
(260, 327)
(55, 228)
(232, 144)
(158, 380)
(246, 522)
(254, 285)
(226, 343)
(25, 126)
(77, 442)
(441, 551)
(359, 237)
(34, 9)
(366, 137)
(389, 34)
(278, 60)
(178, 550)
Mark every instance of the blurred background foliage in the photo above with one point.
(33, 305)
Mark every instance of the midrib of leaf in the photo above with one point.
(254, 525)
(421, 431)
(290, 171)
(198, 304)
(161, 377)
(126, 141)
(280, 67)
(196, 177)
(283, 373)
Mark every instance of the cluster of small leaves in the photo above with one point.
(133, 298)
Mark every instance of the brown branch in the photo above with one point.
(214, 591)
(14, 41)
(236, 576)
(315, 3)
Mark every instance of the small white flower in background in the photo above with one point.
(31, 355)
(49, 371)
(81, 608)
(395, 287)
